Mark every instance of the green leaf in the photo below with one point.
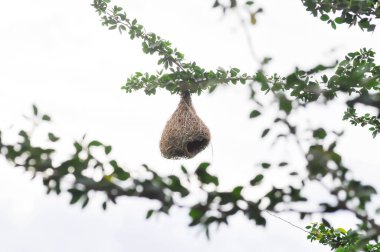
(204, 177)
(282, 164)
(122, 28)
(121, 174)
(364, 23)
(319, 133)
(203, 166)
(254, 113)
(325, 17)
(265, 132)
(216, 4)
(342, 230)
(285, 104)
(78, 147)
(339, 20)
(257, 180)
(95, 143)
(277, 87)
(195, 213)
(46, 118)
(184, 170)
(149, 214)
(85, 202)
(371, 28)
(107, 149)
(265, 165)
(236, 192)
(75, 195)
(35, 110)
(52, 137)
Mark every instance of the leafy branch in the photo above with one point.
(341, 240)
(356, 73)
(352, 12)
(94, 171)
(182, 76)
(365, 120)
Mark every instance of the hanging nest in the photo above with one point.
(185, 134)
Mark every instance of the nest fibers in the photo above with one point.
(185, 135)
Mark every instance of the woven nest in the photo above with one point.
(185, 135)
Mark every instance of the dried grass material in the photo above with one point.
(185, 134)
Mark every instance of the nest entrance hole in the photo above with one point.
(197, 145)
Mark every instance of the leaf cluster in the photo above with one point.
(352, 12)
(341, 240)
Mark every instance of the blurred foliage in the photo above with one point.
(249, 6)
(352, 12)
(364, 120)
(79, 173)
(362, 13)
(90, 167)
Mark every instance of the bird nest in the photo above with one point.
(185, 134)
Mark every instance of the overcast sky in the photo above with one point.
(57, 55)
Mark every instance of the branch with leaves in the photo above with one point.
(357, 73)
(341, 240)
(352, 12)
(173, 191)
(365, 120)
(189, 76)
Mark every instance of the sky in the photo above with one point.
(57, 55)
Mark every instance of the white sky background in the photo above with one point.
(57, 55)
